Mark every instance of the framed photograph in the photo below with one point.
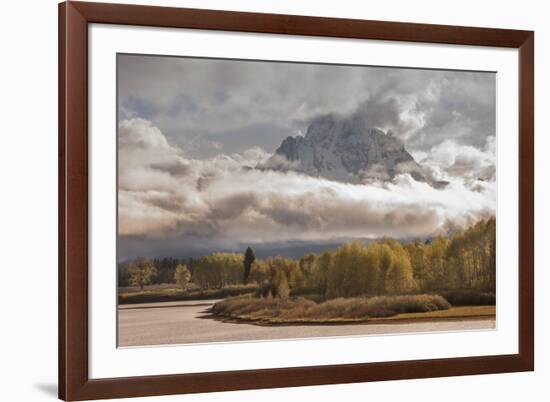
(259, 200)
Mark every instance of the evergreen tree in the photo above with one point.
(249, 258)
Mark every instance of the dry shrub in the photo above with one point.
(469, 297)
(301, 309)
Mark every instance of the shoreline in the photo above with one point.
(453, 314)
(191, 324)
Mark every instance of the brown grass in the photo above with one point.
(462, 312)
(166, 293)
(341, 310)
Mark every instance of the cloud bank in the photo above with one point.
(223, 201)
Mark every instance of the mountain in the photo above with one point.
(346, 150)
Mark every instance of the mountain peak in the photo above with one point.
(347, 150)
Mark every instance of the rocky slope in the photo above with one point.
(345, 150)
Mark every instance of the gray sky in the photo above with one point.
(188, 126)
(209, 106)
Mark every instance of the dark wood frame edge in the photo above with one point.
(74, 382)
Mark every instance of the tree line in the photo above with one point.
(465, 260)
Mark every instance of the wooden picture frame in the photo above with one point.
(74, 381)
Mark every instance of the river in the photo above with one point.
(184, 322)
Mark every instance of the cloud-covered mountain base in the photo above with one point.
(170, 203)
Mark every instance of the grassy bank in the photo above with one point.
(348, 310)
(454, 313)
(163, 293)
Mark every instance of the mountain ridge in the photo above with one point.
(346, 150)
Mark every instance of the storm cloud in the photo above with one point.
(192, 132)
(212, 106)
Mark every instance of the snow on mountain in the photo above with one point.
(346, 150)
